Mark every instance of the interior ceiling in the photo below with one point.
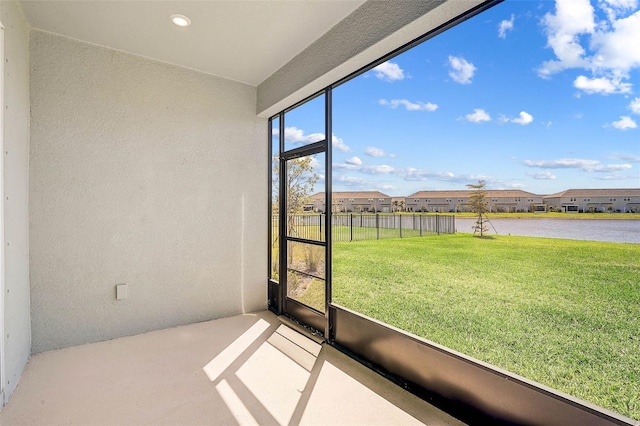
(245, 41)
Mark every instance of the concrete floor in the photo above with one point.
(247, 369)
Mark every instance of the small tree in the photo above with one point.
(480, 206)
(299, 184)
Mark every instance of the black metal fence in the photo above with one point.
(367, 226)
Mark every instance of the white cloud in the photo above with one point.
(372, 151)
(625, 123)
(479, 115)
(345, 166)
(524, 119)
(622, 4)
(572, 19)
(412, 174)
(516, 185)
(409, 106)
(408, 174)
(601, 85)
(614, 7)
(376, 170)
(389, 71)
(362, 184)
(386, 187)
(634, 106)
(504, 26)
(542, 175)
(610, 168)
(607, 48)
(627, 157)
(616, 45)
(462, 71)
(315, 164)
(354, 160)
(297, 136)
(371, 170)
(339, 144)
(617, 176)
(576, 163)
(350, 180)
(563, 163)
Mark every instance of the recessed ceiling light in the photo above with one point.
(180, 20)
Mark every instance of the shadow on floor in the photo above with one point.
(247, 369)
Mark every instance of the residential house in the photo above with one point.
(595, 200)
(358, 202)
(458, 201)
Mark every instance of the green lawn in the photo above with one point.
(563, 313)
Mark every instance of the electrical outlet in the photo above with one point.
(121, 291)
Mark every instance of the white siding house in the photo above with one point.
(458, 201)
(595, 200)
(358, 202)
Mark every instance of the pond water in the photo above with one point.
(619, 231)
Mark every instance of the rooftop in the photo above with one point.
(625, 192)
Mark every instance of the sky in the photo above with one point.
(541, 96)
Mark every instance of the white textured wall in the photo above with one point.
(15, 157)
(146, 174)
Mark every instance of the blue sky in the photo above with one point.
(535, 95)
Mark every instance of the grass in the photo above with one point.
(563, 313)
(305, 281)
(314, 295)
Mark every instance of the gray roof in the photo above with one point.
(620, 192)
